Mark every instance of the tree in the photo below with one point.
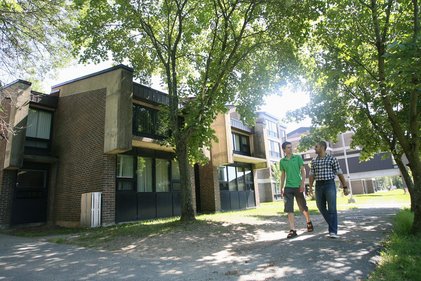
(210, 53)
(366, 59)
(32, 44)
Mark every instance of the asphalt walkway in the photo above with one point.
(310, 256)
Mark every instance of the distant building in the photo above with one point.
(361, 176)
(274, 135)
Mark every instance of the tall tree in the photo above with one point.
(32, 43)
(32, 38)
(210, 53)
(366, 59)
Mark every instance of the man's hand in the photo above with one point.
(346, 190)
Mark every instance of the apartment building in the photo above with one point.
(274, 135)
(361, 175)
(100, 134)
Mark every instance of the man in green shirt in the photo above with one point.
(293, 175)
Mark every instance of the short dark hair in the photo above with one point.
(284, 145)
(323, 144)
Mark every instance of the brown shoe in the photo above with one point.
(310, 227)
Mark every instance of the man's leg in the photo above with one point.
(289, 208)
(302, 204)
(321, 201)
(331, 207)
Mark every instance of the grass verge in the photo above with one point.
(401, 257)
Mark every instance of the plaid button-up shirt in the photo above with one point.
(325, 168)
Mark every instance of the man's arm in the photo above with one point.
(303, 178)
(282, 182)
(343, 182)
(311, 181)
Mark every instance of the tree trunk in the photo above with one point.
(416, 225)
(186, 178)
(407, 179)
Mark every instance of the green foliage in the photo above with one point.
(401, 258)
(343, 67)
(32, 38)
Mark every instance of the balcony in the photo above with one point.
(150, 95)
(237, 124)
(43, 99)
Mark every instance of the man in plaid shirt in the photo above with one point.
(323, 169)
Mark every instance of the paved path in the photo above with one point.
(308, 257)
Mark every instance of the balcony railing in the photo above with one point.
(235, 123)
(43, 99)
(148, 94)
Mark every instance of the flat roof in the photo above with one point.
(94, 74)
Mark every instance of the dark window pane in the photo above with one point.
(31, 179)
(124, 186)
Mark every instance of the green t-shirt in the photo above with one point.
(292, 169)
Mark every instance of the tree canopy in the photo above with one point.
(364, 68)
(32, 38)
(209, 53)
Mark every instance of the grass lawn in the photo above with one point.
(401, 256)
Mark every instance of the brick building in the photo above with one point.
(101, 133)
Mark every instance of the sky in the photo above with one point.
(276, 105)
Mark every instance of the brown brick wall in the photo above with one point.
(108, 190)
(209, 188)
(83, 167)
(6, 188)
(6, 194)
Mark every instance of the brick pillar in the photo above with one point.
(209, 188)
(6, 196)
(108, 190)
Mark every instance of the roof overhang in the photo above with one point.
(260, 163)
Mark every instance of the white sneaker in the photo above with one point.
(333, 235)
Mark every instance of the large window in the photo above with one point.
(147, 122)
(274, 151)
(162, 175)
(235, 178)
(125, 172)
(144, 174)
(152, 174)
(38, 129)
(272, 129)
(241, 144)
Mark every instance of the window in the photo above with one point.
(272, 129)
(235, 178)
(144, 174)
(39, 124)
(147, 174)
(125, 166)
(241, 144)
(223, 178)
(125, 172)
(274, 151)
(146, 122)
(241, 182)
(162, 175)
(175, 176)
(38, 129)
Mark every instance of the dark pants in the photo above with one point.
(326, 197)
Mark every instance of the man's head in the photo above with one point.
(287, 148)
(320, 147)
